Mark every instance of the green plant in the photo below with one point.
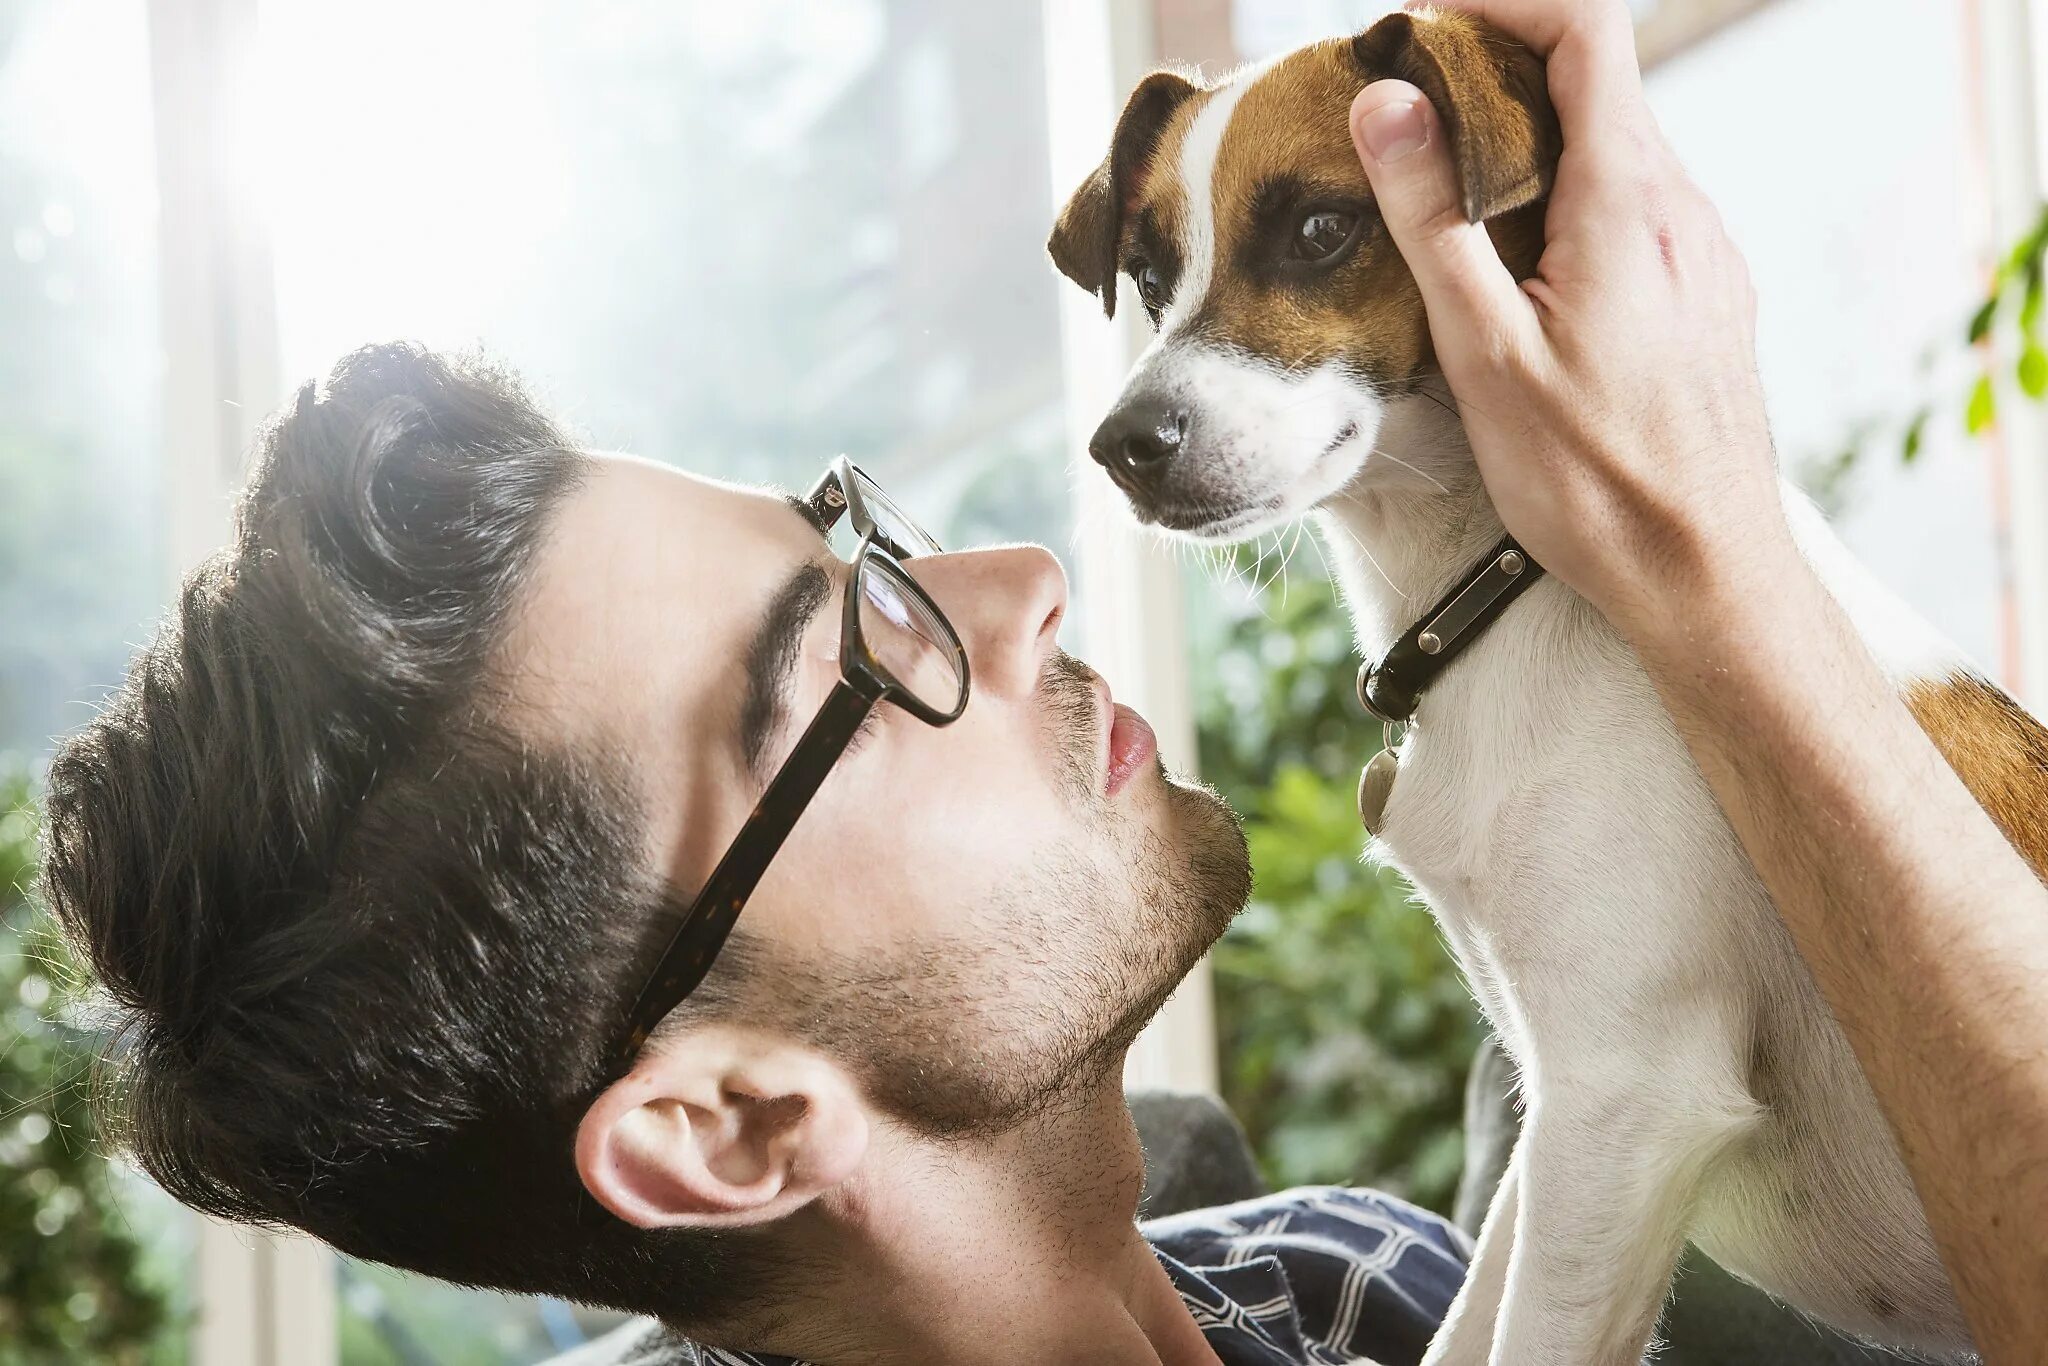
(73, 1281)
(1344, 1029)
(2001, 339)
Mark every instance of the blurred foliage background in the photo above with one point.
(75, 1282)
(1345, 1031)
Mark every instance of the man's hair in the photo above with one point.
(369, 947)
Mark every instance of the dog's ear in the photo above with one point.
(1490, 95)
(1084, 240)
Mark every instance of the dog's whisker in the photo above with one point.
(1287, 560)
(1316, 541)
(1384, 453)
(1371, 559)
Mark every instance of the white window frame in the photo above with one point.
(2009, 34)
(269, 1300)
(262, 1299)
(1134, 612)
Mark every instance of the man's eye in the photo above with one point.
(1322, 233)
(1151, 288)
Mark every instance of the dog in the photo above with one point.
(1683, 1078)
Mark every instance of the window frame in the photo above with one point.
(2014, 153)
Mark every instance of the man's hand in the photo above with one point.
(1612, 399)
(1613, 405)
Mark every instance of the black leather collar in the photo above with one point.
(1393, 688)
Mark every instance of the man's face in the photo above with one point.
(972, 916)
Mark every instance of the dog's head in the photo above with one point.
(1285, 318)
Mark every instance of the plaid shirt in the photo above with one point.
(1317, 1276)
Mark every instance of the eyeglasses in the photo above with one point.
(896, 646)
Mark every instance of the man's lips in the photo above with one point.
(1131, 746)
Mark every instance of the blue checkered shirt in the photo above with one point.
(1317, 1276)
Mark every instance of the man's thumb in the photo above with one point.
(1401, 141)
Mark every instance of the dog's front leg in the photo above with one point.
(1466, 1338)
(1607, 1176)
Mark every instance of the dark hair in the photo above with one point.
(369, 945)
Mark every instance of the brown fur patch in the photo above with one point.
(1997, 749)
(1161, 193)
(1087, 239)
(1292, 129)
(1288, 149)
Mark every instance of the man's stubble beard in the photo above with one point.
(962, 1041)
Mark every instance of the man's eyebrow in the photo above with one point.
(802, 507)
(772, 655)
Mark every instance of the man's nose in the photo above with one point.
(1006, 605)
(1138, 438)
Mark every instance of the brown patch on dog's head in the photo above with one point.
(1288, 156)
(1490, 93)
(1085, 241)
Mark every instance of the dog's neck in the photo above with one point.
(1412, 522)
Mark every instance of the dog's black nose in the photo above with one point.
(1139, 435)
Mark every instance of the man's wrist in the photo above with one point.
(1700, 591)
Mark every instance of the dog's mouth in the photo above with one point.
(1224, 520)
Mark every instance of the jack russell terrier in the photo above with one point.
(1683, 1077)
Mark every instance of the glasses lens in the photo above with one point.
(907, 639)
(903, 536)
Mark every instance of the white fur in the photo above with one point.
(1682, 1076)
(1197, 162)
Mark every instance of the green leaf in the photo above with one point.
(2030, 301)
(2033, 370)
(1981, 320)
(2027, 250)
(1916, 432)
(1983, 409)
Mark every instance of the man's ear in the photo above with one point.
(1084, 240)
(1490, 94)
(721, 1128)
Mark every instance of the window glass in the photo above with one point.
(81, 568)
(741, 238)
(82, 574)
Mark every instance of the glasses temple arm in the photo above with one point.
(703, 931)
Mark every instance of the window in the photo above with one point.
(82, 567)
(740, 238)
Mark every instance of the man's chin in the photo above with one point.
(1213, 861)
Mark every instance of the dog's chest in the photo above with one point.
(1517, 743)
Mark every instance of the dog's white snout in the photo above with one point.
(1222, 444)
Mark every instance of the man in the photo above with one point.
(418, 849)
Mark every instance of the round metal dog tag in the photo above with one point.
(1375, 785)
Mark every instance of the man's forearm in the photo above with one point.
(1925, 931)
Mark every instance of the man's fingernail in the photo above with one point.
(1394, 130)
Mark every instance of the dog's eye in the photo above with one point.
(1151, 287)
(1322, 233)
